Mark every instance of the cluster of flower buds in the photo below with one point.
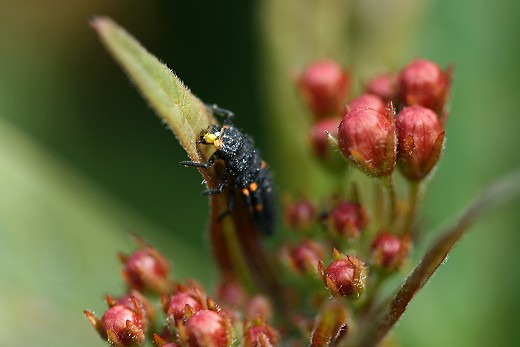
(191, 317)
(396, 122)
(327, 270)
(369, 131)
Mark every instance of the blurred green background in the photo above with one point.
(84, 161)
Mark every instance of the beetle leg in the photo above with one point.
(230, 204)
(205, 165)
(220, 187)
(222, 112)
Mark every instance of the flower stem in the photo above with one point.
(392, 213)
(414, 197)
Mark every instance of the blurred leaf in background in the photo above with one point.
(83, 161)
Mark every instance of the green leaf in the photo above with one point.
(237, 252)
(185, 114)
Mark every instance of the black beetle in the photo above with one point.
(244, 170)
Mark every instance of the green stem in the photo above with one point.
(415, 190)
(392, 213)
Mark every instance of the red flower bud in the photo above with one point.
(347, 218)
(260, 335)
(231, 293)
(367, 138)
(420, 138)
(207, 329)
(300, 215)
(384, 86)
(303, 257)
(323, 86)
(367, 101)
(345, 276)
(319, 139)
(389, 252)
(259, 307)
(422, 82)
(137, 302)
(119, 325)
(179, 303)
(146, 270)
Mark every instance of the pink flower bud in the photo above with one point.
(300, 214)
(345, 276)
(367, 101)
(137, 302)
(367, 138)
(389, 252)
(319, 139)
(260, 335)
(259, 307)
(207, 329)
(119, 325)
(420, 138)
(323, 86)
(304, 256)
(384, 86)
(146, 270)
(176, 306)
(347, 218)
(422, 82)
(231, 293)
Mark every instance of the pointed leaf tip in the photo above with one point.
(182, 111)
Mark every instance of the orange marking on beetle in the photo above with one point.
(245, 191)
(253, 186)
(263, 165)
(259, 207)
(217, 143)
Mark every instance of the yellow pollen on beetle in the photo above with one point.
(210, 138)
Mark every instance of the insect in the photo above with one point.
(244, 171)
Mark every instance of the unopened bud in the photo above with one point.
(231, 293)
(420, 138)
(305, 256)
(146, 270)
(367, 101)
(136, 302)
(324, 86)
(422, 82)
(345, 276)
(179, 304)
(367, 138)
(208, 328)
(300, 214)
(348, 219)
(389, 251)
(384, 86)
(120, 326)
(260, 334)
(259, 307)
